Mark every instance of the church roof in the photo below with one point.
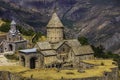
(82, 50)
(57, 45)
(49, 53)
(73, 43)
(13, 22)
(33, 50)
(44, 45)
(55, 21)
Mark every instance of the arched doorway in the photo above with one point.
(10, 47)
(33, 62)
(23, 60)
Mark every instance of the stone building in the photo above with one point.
(55, 51)
(13, 40)
(55, 30)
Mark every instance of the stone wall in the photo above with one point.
(49, 59)
(77, 59)
(21, 45)
(4, 75)
(54, 34)
(27, 58)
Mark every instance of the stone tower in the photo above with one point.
(55, 29)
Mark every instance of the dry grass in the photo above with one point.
(48, 73)
(13, 69)
(52, 74)
(1, 22)
(2, 33)
(98, 62)
(27, 37)
(42, 38)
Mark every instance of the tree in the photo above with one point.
(36, 37)
(83, 40)
(5, 27)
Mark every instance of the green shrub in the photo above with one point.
(83, 40)
(5, 27)
(25, 32)
(12, 57)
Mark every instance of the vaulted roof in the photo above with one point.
(55, 21)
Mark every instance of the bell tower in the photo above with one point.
(55, 29)
(13, 34)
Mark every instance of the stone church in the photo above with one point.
(55, 51)
(13, 41)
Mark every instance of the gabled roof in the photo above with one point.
(57, 45)
(82, 50)
(55, 21)
(27, 51)
(49, 53)
(72, 43)
(44, 45)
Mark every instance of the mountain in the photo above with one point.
(98, 20)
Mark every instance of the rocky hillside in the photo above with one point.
(98, 20)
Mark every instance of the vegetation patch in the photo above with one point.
(83, 41)
(12, 57)
(5, 27)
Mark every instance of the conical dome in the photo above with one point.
(13, 22)
(55, 21)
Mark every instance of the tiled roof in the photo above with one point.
(73, 43)
(49, 53)
(83, 50)
(55, 21)
(44, 45)
(57, 45)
